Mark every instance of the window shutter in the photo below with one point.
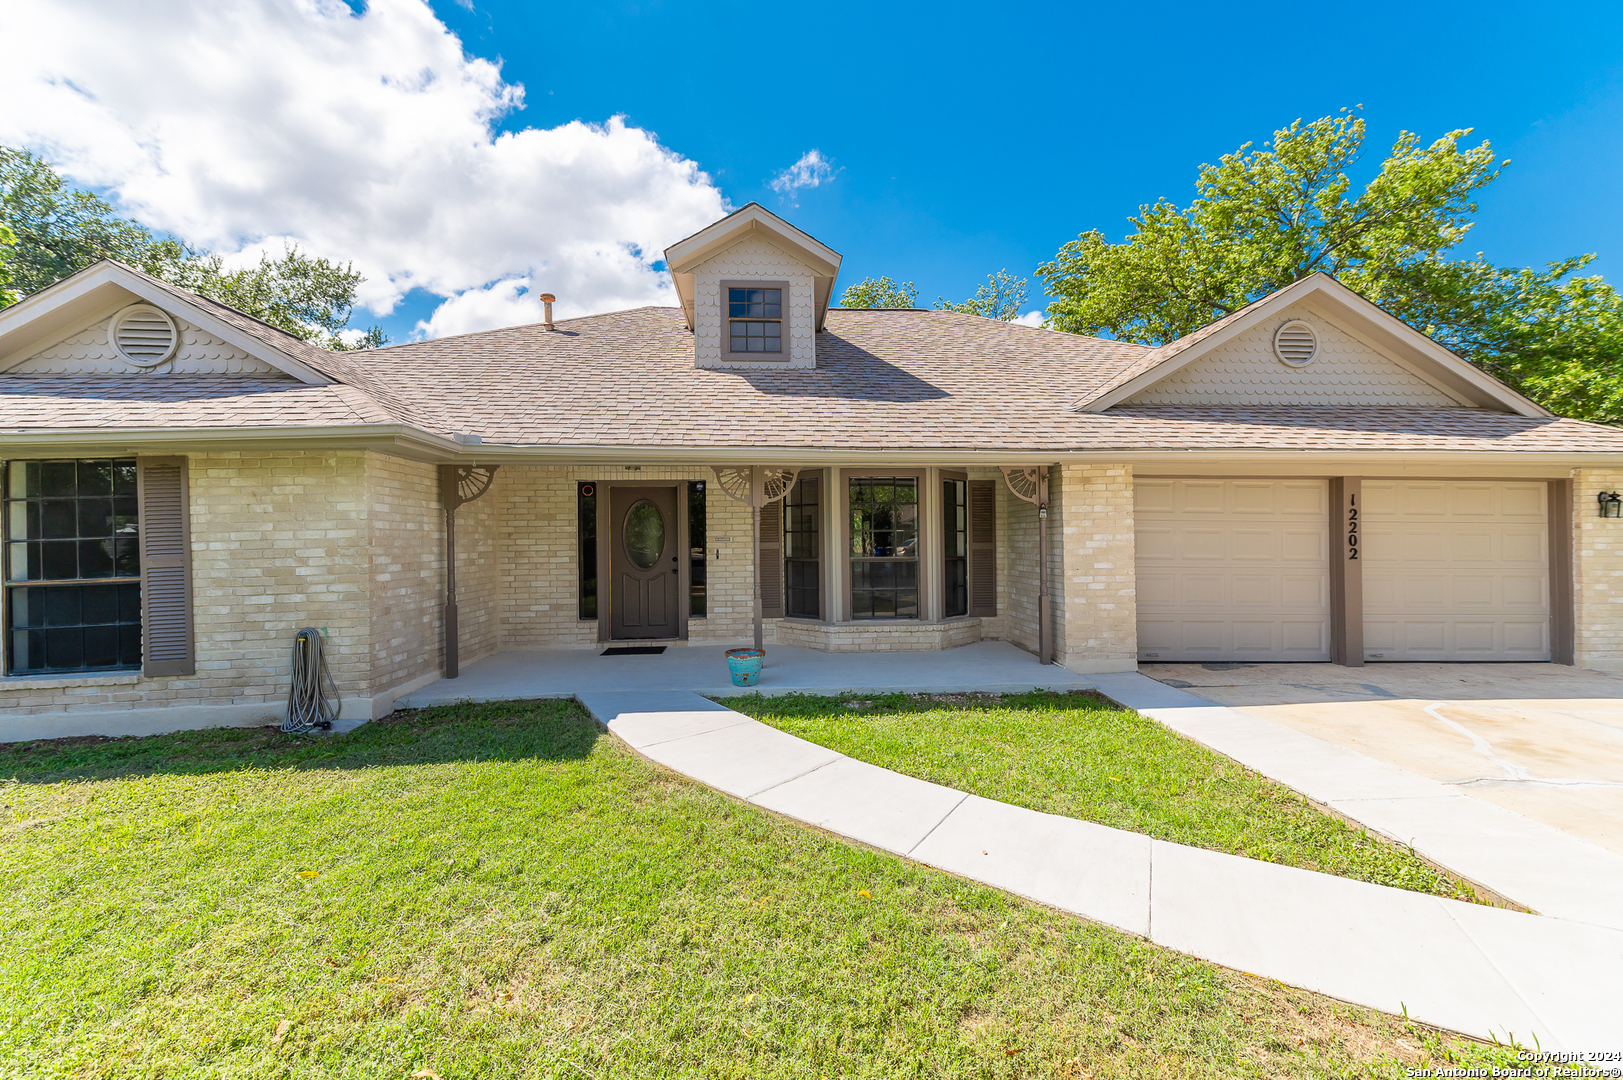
(166, 567)
(772, 561)
(983, 548)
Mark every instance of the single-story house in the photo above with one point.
(1307, 479)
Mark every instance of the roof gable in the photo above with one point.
(91, 351)
(1243, 370)
(687, 257)
(42, 332)
(1377, 359)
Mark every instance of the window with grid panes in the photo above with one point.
(884, 547)
(955, 553)
(800, 550)
(72, 566)
(755, 320)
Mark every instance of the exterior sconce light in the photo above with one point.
(1611, 504)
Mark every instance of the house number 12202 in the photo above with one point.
(1352, 527)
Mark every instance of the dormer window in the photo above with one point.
(755, 320)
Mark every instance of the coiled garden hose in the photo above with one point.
(312, 699)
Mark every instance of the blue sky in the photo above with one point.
(960, 139)
(968, 138)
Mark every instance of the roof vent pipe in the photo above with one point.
(547, 299)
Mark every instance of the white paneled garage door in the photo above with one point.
(1456, 570)
(1233, 569)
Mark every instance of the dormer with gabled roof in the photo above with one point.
(755, 291)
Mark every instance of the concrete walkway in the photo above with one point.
(989, 667)
(1533, 864)
(1484, 971)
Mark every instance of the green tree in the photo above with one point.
(1263, 219)
(1001, 297)
(8, 241)
(880, 292)
(61, 229)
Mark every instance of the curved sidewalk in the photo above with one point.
(1484, 971)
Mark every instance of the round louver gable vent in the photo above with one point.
(1296, 343)
(144, 336)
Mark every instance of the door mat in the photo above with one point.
(633, 650)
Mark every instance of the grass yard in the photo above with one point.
(1081, 756)
(500, 891)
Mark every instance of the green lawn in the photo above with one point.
(1081, 756)
(501, 891)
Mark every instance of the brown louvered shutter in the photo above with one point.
(772, 561)
(166, 567)
(983, 548)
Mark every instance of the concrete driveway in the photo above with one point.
(1542, 740)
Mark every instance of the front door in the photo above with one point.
(644, 549)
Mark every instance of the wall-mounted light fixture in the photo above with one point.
(1611, 504)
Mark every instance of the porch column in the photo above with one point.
(1096, 592)
(459, 484)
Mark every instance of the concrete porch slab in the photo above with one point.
(990, 667)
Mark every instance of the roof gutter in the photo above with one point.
(407, 441)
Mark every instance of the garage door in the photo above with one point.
(1233, 569)
(1456, 570)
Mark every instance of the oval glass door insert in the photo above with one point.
(644, 534)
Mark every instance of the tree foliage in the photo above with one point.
(8, 241)
(880, 292)
(1263, 219)
(1001, 297)
(60, 229)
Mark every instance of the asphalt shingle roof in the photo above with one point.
(885, 380)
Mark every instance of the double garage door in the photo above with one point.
(1240, 570)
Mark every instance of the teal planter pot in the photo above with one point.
(745, 664)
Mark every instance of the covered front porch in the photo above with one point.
(519, 674)
(902, 559)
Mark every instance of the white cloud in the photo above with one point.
(509, 302)
(1032, 318)
(367, 137)
(812, 170)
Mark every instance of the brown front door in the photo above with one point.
(643, 556)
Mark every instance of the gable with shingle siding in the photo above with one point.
(1245, 371)
(90, 350)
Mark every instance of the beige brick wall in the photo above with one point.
(1597, 559)
(539, 565)
(1093, 586)
(279, 541)
(879, 637)
(408, 568)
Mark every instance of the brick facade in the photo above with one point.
(1597, 564)
(538, 564)
(354, 542)
(279, 541)
(1092, 568)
